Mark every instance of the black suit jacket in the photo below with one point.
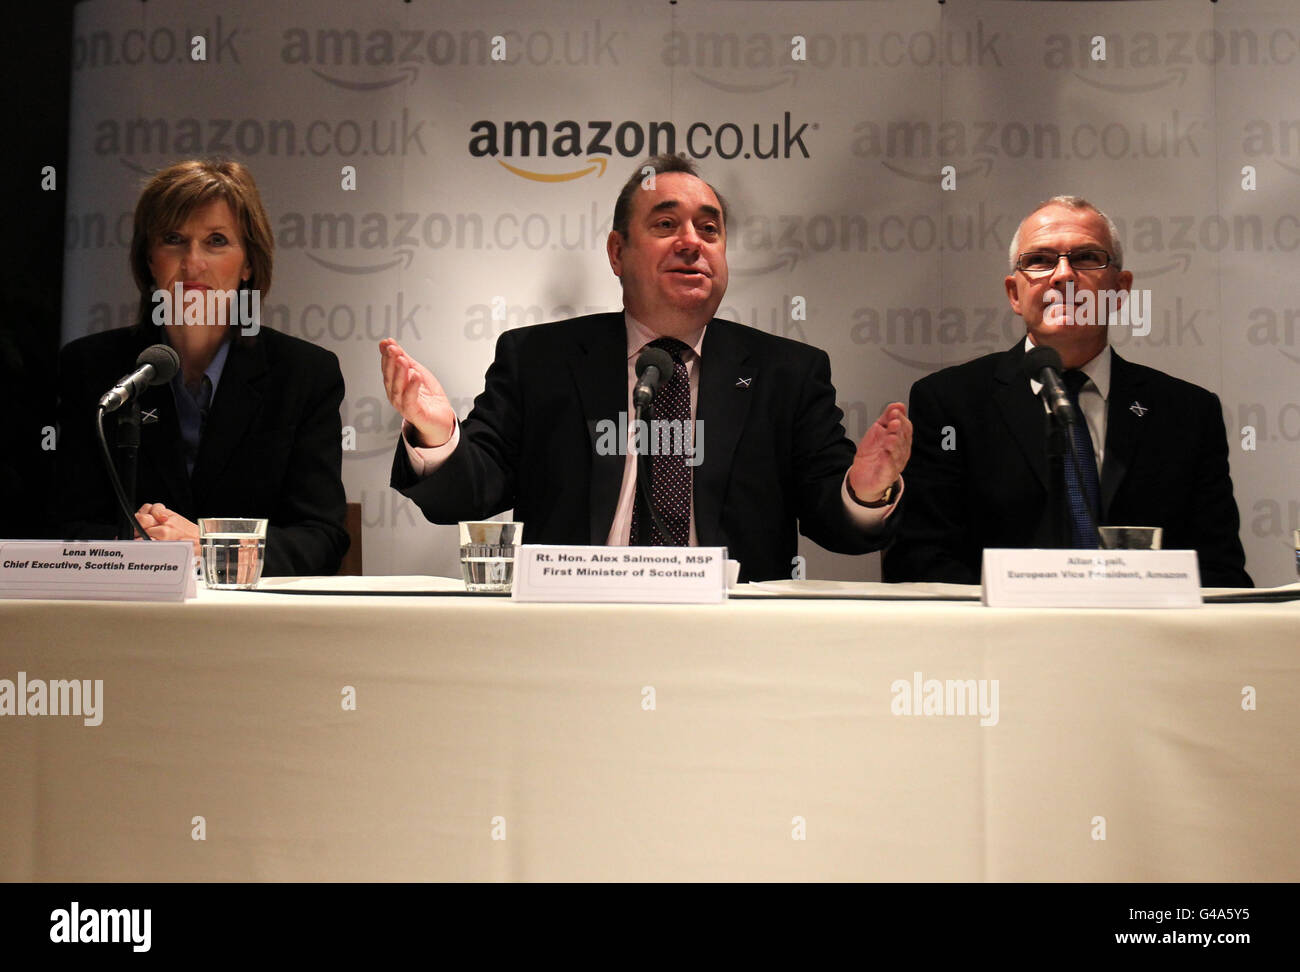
(272, 446)
(774, 451)
(1166, 467)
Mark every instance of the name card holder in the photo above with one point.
(1091, 578)
(649, 575)
(101, 570)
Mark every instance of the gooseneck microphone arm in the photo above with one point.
(652, 367)
(1044, 365)
(156, 365)
(123, 506)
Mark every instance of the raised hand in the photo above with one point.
(882, 453)
(416, 394)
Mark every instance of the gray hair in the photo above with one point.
(1072, 202)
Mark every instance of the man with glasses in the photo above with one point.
(1155, 452)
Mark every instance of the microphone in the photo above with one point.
(1044, 366)
(654, 365)
(156, 365)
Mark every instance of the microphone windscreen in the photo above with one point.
(166, 362)
(1039, 358)
(658, 357)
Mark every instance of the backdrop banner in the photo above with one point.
(442, 170)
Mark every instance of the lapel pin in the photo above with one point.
(743, 382)
(149, 416)
(1138, 409)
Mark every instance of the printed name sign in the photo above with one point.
(1091, 578)
(105, 570)
(654, 575)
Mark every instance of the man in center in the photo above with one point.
(774, 459)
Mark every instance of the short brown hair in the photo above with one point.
(174, 193)
(660, 164)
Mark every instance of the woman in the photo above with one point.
(249, 426)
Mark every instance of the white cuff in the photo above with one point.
(866, 517)
(425, 460)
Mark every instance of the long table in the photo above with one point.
(277, 736)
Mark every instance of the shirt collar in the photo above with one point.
(1098, 369)
(213, 370)
(638, 336)
(218, 365)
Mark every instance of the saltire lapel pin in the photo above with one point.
(1138, 409)
(743, 382)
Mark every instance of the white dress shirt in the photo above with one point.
(1092, 398)
(424, 460)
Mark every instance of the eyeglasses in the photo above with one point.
(1035, 263)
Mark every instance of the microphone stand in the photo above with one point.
(1057, 436)
(128, 448)
(128, 442)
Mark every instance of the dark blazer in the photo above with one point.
(774, 451)
(1166, 467)
(272, 447)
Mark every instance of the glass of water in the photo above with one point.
(487, 553)
(233, 551)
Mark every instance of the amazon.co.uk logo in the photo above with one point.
(375, 59)
(1150, 60)
(758, 62)
(917, 149)
(567, 150)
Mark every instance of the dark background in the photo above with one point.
(37, 82)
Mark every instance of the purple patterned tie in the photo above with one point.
(669, 430)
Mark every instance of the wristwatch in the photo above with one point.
(883, 501)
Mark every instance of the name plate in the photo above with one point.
(104, 570)
(653, 575)
(1091, 578)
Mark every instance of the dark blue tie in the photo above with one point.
(201, 395)
(670, 488)
(1083, 488)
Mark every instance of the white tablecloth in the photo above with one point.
(478, 719)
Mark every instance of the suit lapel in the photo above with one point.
(600, 372)
(1022, 411)
(238, 403)
(1123, 427)
(722, 408)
